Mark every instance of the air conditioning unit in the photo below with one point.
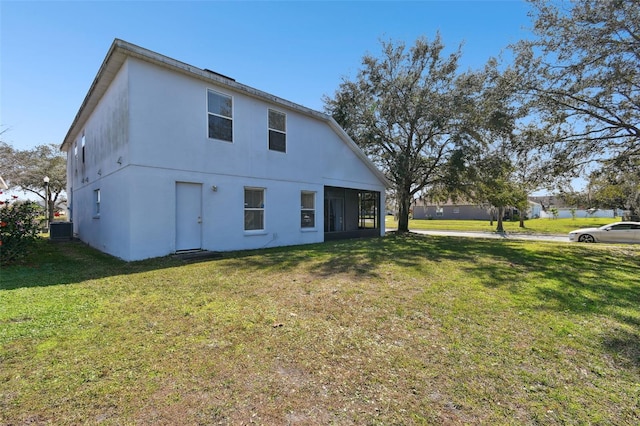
(61, 231)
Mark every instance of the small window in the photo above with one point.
(456, 210)
(96, 202)
(253, 209)
(220, 116)
(277, 131)
(308, 209)
(83, 140)
(439, 211)
(75, 156)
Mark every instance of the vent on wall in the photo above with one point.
(219, 75)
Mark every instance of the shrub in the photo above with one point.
(18, 228)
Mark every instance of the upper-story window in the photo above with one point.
(277, 131)
(220, 116)
(75, 156)
(83, 151)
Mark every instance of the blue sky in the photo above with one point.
(51, 51)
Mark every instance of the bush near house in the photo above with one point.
(19, 228)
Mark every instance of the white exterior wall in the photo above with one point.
(106, 142)
(163, 117)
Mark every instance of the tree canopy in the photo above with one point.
(410, 110)
(26, 170)
(582, 73)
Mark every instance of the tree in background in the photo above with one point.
(582, 75)
(26, 170)
(409, 111)
(495, 185)
(501, 163)
(616, 189)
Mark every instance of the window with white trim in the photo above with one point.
(277, 131)
(439, 211)
(96, 203)
(253, 209)
(307, 209)
(220, 116)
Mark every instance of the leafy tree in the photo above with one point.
(408, 111)
(616, 189)
(582, 75)
(490, 181)
(502, 163)
(25, 170)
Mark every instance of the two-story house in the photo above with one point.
(164, 157)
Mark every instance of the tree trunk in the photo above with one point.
(500, 228)
(51, 204)
(404, 205)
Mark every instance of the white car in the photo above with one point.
(618, 232)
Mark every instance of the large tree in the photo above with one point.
(408, 111)
(582, 73)
(26, 169)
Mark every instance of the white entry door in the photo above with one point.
(188, 216)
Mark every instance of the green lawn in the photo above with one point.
(396, 330)
(532, 226)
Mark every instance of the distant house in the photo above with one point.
(553, 206)
(463, 210)
(451, 211)
(164, 157)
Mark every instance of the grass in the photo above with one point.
(532, 226)
(395, 330)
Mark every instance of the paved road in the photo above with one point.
(505, 236)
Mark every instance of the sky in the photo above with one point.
(50, 51)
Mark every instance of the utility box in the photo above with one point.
(61, 231)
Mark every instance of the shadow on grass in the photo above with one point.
(585, 280)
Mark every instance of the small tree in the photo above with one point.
(493, 184)
(617, 188)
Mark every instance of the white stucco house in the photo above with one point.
(164, 157)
